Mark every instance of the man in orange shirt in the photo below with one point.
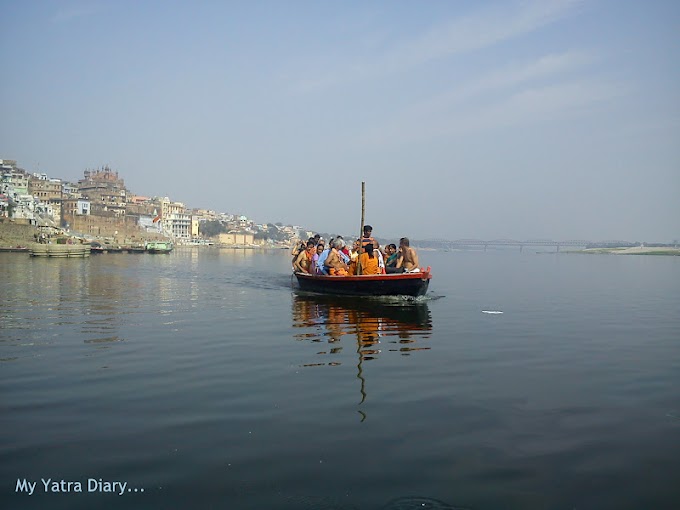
(366, 238)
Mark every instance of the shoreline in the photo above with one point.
(636, 250)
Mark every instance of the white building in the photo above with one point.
(147, 223)
(175, 219)
(15, 179)
(69, 189)
(83, 207)
(25, 206)
(179, 225)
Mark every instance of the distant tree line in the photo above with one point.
(272, 233)
(633, 244)
(612, 245)
(212, 228)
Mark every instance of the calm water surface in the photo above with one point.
(204, 379)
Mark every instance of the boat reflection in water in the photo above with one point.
(377, 324)
(369, 326)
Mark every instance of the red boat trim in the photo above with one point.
(424, 275)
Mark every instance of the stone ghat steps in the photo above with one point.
(60, 250)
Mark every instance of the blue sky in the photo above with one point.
(528, 119)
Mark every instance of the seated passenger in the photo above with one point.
(368, 261)
(301, 246)
(321, 266)
(391, 251)
(378, 254)
(314, 265)
(408, 258)
(334, 263)
(302, 263)
(346, 252)
(343, 252)
(354, 257)
(391, 263)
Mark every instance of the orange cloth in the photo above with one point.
(369, 265)
(367, 240)
(307, 265)
(338, 272)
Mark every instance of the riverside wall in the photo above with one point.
(19, 232)
(16, 232)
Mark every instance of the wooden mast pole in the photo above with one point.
(361, 235)
(361, 232)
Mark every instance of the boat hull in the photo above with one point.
(60, 250)
(404, 284)
(159, 247)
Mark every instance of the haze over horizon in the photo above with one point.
(524, 119)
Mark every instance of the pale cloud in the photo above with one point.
(545, 68)
(547, 103)
(530, 105)
(481, 29)
(547, 87)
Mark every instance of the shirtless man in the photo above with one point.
(408, 258)
(334, 263)
(302, 261)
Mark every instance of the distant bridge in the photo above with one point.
(458, 243)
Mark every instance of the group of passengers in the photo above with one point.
(364, 257)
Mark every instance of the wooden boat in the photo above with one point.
(398, 284)
(113, 248)
(394, 284)
(159, 247)
(96, 247)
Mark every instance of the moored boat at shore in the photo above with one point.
(397, 284)
(60, 250)
(96, 247)
(159, 247)
(113, 248)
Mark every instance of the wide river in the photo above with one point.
(202, 379)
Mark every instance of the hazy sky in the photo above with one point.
(466, 119)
